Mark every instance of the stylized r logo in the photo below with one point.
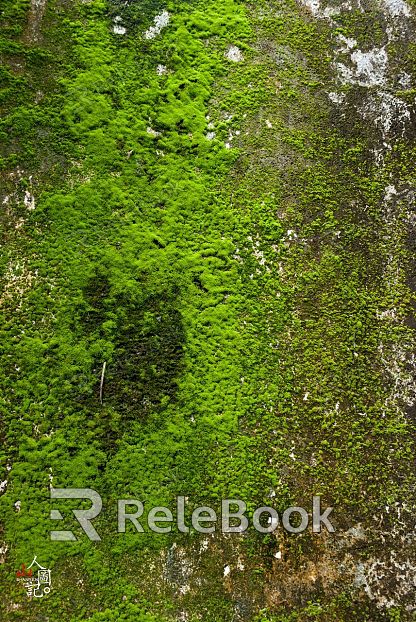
(84, 517)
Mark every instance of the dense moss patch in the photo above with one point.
(215, 233)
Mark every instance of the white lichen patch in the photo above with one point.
(369, 68)
(390, 579)
(346, 43)
(29, 200)
(390, 191)
(405, 80)
(178, 569)
(234, 54)
(397, 8)
(386, 112)
(388, 314)
(17, 280)
(3, 550)
(152, 132)
(118, 29)
(160, 22)
(399, 363)
(314, 6)
(331, 11)
(336, 98)
(357, 532)
(257, 253)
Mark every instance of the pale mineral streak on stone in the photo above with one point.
(36, 13)
(388, 578)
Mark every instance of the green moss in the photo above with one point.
(220, 287)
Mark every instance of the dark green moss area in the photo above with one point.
(234, 298)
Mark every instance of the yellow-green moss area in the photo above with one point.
(214, 231)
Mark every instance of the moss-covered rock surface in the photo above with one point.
(208, 290)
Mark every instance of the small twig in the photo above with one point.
(102, 382)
